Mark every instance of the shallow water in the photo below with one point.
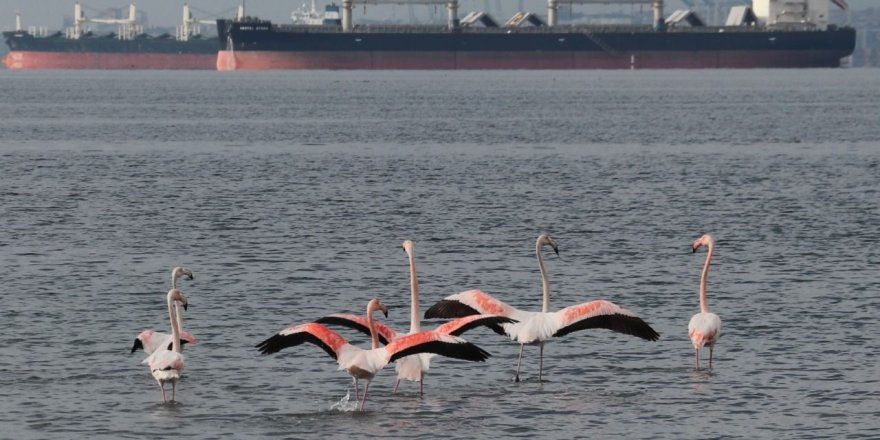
(289, 194)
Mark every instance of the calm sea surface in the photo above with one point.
(289, 194)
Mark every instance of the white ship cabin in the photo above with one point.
(783, 13)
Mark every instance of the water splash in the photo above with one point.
(345, 404)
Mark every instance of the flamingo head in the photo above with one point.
(705, 240)
(177, 296)
(374, 305)
(408, 247)
(545, 240)
(180, 271)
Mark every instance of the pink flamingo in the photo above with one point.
(150, 340)
(364, 364)
(413, 367)
(705, 327)
(167, 364)
(538, 327)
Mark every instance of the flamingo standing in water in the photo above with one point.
(150, 340)
(364, 364)
(167, 364)
(413, 367)
(538, 327)
(705, 327)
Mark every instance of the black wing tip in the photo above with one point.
(138, 345)
(268, 346)
(446, 308)
(475, 353)
(279, 342)
(642, 329)
(619, 323)
(492, 322)
(457, 350)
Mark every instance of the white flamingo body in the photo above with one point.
(538, 327)
(414, 367)
(364, 364)
(151, 340)
(704, 329)
(166, 365)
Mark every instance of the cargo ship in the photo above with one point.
(767, 34)
(129, 48)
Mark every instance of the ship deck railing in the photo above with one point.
(573, 28)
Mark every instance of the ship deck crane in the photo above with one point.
(452, 9)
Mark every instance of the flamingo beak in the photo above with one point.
(185, 305)
(695, 247)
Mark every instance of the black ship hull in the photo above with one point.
(261, 45)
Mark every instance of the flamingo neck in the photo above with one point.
(415, 324)
(374, 337)
(175, 324)
(177, 315)
(174, 279)
(704, 307)
(545, 281)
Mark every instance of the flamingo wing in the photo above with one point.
(314, 333)
(602, 314)
(434, 342)
(150, 341)
(360, 324)
(461, 325)
(470, 302)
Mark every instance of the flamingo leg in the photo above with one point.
(174, 391)
(710, 356)
(696, 359)
(519, 361)
(422, 384)
(357, 392)
(162, 387)
(540, 362)
(364, 401)
(395, 386)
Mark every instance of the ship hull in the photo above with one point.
(57, 52)
(107, 60)
(261, 45)
(293, 60)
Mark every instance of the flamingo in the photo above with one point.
(538, 327)
(150, 340)
(167, 364)
(413, 367)
(705, 327)
(364, 364)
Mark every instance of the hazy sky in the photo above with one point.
(50, 13)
